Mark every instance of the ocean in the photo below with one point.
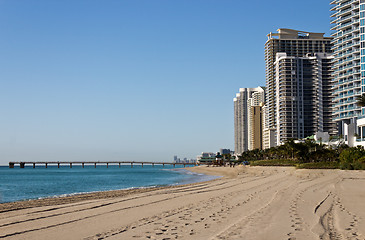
(28, 183)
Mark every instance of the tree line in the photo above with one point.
(308, 154)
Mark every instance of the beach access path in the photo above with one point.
(247, 203)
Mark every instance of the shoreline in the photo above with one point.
(97, 195)
(246, 203)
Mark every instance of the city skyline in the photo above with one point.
(84, 80)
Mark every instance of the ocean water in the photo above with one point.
(28, 183)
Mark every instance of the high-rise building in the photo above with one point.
(303, 95)
(348, 19)
(224, 151)
(293, 43)
(256, 121)
(246, 98)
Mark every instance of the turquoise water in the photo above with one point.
(28, 183)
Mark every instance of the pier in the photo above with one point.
(103, 163)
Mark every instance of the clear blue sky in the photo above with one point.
(132, 79)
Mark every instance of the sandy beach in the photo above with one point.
(247, 203)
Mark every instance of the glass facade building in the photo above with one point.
(348, 26)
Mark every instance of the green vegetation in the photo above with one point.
(277, 162)
(361, 100)
(309, 155)
(353, 159)
(318, 165)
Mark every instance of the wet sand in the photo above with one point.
(247, 203)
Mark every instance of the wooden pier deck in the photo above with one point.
(107, 163)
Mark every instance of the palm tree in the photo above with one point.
(361, 100)
(290, 146)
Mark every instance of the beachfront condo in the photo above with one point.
(348, 25)
(255, 130)
(245, 118)
(289, 54)
(303, 95)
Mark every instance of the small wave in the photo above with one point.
(90, 192)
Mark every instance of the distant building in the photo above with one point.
(209, 157)
(256, 127)
(192, 160)
(268, 135)
(206, 157)
(255, 119)
(245, 99)
(185, 160)
(176, 159)
(208, 154)
(225, 151)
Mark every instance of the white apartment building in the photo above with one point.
(348, 20)
(244, 100)
(303, 95)
(295, 44)
(254, 123)
(268, 138)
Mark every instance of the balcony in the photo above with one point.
(345, 103)
(347, 88)
(347, 95)
(342, 26)
(347, 115)
(345, 11)
(344, 5)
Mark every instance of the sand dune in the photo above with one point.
(248, 203)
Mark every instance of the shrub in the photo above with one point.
(318, 165)
(350, 157)
(276, 162)
(359, 164)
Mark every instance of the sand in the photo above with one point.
(247, 203)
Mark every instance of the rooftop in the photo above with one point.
(285, 33)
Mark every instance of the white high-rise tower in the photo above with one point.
(245, 99)
(348, 19)
(285, 78)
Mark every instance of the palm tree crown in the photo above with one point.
(361, 100)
